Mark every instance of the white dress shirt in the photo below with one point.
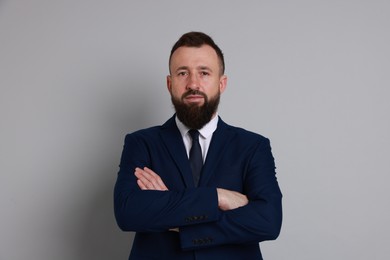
(205, 135)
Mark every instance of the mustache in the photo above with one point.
(194, 92)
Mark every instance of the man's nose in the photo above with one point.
(193, 82)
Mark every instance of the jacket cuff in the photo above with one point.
(198, 232)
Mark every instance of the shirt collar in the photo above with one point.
(206, 131)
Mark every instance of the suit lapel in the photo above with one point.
(220, 140)
(173, 141)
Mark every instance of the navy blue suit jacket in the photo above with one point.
(237, 160)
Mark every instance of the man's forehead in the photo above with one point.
(186, 50)
(205, 54)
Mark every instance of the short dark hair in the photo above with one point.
(197, 39)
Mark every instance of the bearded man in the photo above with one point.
(196, 187)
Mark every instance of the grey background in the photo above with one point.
(77, 75)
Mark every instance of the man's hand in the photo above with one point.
(228, 200)
(149, 180)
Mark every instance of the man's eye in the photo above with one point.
(182, 73)
(205, 73)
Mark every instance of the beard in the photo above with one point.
(194, 116)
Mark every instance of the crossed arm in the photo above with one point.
(229, 217)
(227, 199)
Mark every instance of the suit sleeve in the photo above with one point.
(259, 220)
(156, 211)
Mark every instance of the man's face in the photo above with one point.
(195, 83)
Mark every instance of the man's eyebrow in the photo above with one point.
(204, 68)
(182, 68)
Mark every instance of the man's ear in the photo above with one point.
(222, 83)
(169, 83)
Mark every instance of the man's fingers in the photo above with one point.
(150, 171)
(141, 185)
(228, 200)
(149, 179)
(156, 178)
(142, 182)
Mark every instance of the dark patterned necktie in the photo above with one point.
(196, 160)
